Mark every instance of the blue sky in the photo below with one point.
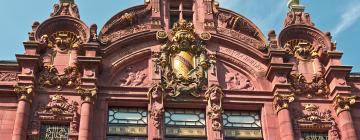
(341, 18)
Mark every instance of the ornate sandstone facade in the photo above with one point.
(177, 69)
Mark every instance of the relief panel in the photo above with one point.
(232, 79)
(134, 75)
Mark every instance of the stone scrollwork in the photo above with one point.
(156, 107)
(60, 45)
(50, 77)
(87, 94)
(317, 86)
(302, 50)
(183, 60)
(24, 92)
(282, 101)
(214, 97)
(62, 41)
(343, 103)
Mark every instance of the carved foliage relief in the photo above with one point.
(8, 76)
(135, 75)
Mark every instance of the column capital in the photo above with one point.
(282, 101)
(24, 92)
(343, 103)
(87, 94)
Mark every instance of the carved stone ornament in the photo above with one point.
(24, 92)
(156, 98)
(61, 41)
(8, 76)
(66, 8)
(183, 61)
(87, 94)
(310, 117)
(125, 23)
(302, 49)
(343, 103)
(237, 81)
(58, 46)
(282, 101)
(214, 97)
(317, 86)
(50, 77)
(134, 75)
(58, 109)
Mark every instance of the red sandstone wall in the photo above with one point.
(7, 117)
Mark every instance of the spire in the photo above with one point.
(66, 8)
(294, 6)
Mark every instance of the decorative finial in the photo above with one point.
(294, 6)
(67, 1)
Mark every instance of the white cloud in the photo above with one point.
(348, 18)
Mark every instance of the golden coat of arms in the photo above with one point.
(183, 60)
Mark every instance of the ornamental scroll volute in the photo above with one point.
(59, 59)
(59, 111)
(183, 60)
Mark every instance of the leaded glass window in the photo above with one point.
(314, 135)
(54, 132)
(127, 123)
(182, 123)
(242, 125)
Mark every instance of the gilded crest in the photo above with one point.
(183, 60)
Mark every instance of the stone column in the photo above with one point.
(156, 113)
(87, 96)
(214, 110)
(22, 112)
(345, 123)
(281, 105)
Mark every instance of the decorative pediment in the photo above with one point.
(58, 108)
(66, 8)
(312, 118)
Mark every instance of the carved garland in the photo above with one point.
(58, 109)
(214, 97)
